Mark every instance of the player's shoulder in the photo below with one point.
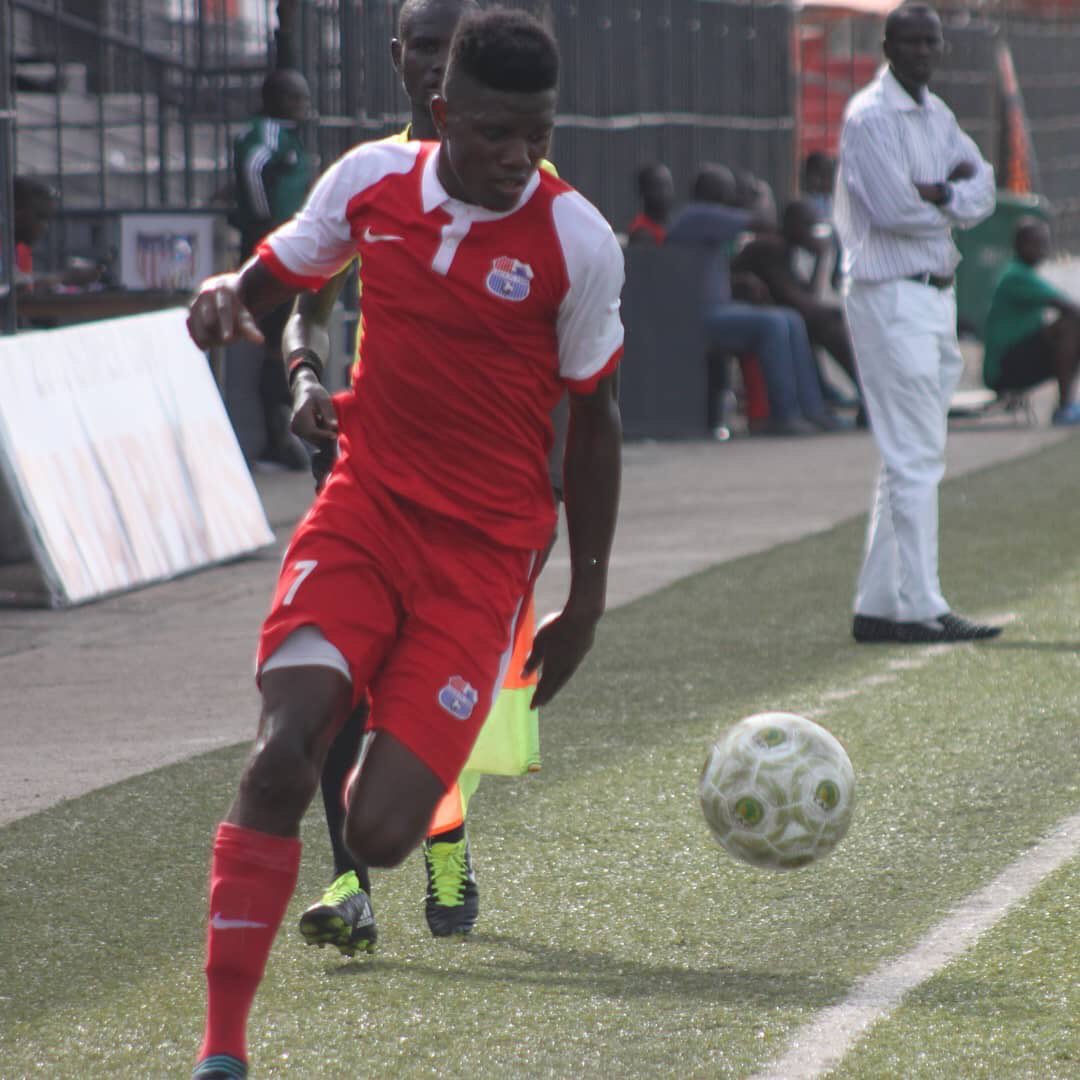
(370, 162)
(392, 152)
(589, 246)
(572, 211)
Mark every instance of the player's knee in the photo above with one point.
(281, 772)
(283, 769)
(382, 840)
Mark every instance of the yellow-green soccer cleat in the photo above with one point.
(343, 918)
(452, 902)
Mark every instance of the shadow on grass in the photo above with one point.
(1037, 646)
(530, 963)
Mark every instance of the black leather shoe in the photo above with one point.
(946, 628)
(871, 630)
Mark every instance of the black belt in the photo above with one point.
(933, 280)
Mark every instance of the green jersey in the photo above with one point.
(1017, 310)
(273, 172)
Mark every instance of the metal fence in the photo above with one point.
(133, 104)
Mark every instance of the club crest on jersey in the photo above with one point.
(509, 278)
(458, 698)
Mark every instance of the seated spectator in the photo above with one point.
(656, 190)
(770, 257)
(754, 194)
(776, 335)
(35, 206)
(1023, 349)
(817, 184)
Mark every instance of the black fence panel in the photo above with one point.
(134, 105)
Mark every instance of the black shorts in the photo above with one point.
(1027, 363)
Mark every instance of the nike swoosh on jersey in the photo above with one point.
(373, 238)
(219, 922)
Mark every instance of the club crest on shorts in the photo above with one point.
(458, 698)
(509, 278)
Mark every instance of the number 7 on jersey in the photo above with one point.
(303, 568)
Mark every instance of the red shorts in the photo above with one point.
(422, 608)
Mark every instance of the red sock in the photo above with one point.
(252, 878)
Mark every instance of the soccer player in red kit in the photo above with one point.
(490, 288)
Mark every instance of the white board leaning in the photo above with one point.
(119, 457)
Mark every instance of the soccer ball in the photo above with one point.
(777, 790)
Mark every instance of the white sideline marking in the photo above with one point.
(820, 1044)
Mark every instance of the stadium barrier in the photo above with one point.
(663, 377)
(118, 458)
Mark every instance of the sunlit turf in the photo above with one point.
(1009, 1008)
(615, 938)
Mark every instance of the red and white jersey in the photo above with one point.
(474, 324)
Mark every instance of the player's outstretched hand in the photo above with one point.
(559, 646)
(217, 315)
(313, 416)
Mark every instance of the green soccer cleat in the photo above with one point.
(452, 902)
(343, 917)
(220, 1067)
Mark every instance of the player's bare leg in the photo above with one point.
(343, 916)
(256, 854)
(390, 804)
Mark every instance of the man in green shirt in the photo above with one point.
(1024, 348)
(272, 173)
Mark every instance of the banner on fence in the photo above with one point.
(119, 458)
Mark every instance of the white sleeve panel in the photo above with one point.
(589, 329)
(318, 241)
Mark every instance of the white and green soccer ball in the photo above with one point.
(777, 790)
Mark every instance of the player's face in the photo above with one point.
(420, 56)
(493, 141)
(914, 47)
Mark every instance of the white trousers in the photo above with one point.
(909, 363)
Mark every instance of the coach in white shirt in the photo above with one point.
(908, 175)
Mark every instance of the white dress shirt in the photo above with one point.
(889, 143)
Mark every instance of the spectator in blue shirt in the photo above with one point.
(776, 335)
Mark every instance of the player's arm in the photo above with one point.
(591, 478)
(308, 328)
(305, 346)
(590, 339)
(226, 307)
(304, 253)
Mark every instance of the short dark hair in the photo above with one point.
(505, 50)
(904, 12)
(410, 9)
(27, 189)
(1026, 225)
(278, 82)
(816, 161)
(647, 171)
(714, 183)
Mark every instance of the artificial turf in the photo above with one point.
(615, 938)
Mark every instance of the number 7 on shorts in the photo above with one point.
(303, 568)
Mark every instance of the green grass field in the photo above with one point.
(616, 939)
